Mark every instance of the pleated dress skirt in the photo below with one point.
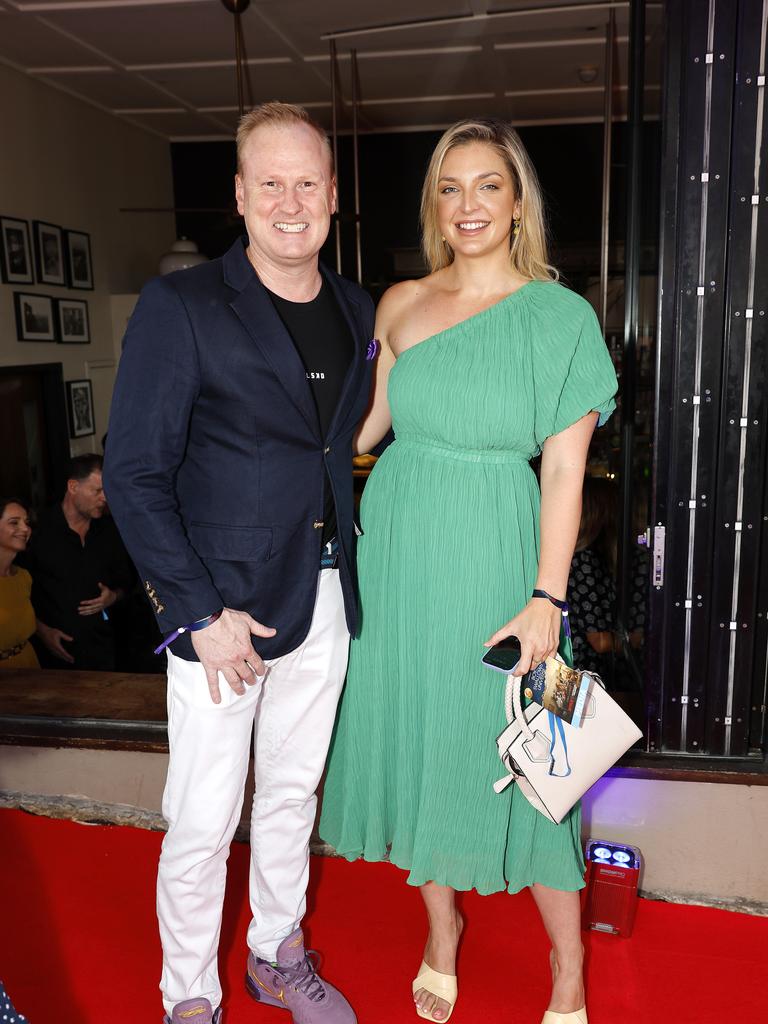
(449, 553)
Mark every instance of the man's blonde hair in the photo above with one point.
(275, 114)
(528, 248)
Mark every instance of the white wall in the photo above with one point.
(702, 841)
(65, 162)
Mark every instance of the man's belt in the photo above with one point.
(329, 559)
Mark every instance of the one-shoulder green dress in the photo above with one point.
(449, 553)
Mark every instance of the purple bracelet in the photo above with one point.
(191, 628)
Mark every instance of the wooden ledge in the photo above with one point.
(127, 711)
(110, 710)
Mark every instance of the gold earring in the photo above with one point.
(442, 238)
(516, 226)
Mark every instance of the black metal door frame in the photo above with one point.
(708, 603)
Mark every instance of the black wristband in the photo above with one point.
(562, 605)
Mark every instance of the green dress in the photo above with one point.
(449, 553)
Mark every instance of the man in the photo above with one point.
(79, 570)
(229, 473)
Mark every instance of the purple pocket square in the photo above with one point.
(372, 350)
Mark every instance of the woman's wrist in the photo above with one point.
(553, 596)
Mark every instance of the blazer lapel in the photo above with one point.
(356, 368)
(261, 320)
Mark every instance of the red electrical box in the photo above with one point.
(609, 899)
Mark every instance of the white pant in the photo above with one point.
(292, 712)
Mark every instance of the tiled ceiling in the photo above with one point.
(168, 65)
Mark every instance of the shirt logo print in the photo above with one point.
(315, 375)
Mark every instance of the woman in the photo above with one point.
(17, 619)
(486, 361)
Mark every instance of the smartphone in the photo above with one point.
(504, 655)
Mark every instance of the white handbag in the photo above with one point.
(555, 763)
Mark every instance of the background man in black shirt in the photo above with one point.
(79, 569)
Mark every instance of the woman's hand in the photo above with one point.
(537, 627)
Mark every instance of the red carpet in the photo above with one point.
(79, 943)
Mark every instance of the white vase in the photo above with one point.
(182, 254)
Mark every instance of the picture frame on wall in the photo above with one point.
(72, 322)
(79, 266)
(49, 253)
(15, 252)
(35, 317)
(80, 408)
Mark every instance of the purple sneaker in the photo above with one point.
(295, 985)
(193, 1011)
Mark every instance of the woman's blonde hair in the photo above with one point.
(528, 248)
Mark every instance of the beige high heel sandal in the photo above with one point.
(577, 1017)
(444, 986)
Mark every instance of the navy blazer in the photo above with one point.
(215, 464)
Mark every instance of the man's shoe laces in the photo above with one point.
(303, 977)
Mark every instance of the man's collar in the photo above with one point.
(239, 272)
(65, 522)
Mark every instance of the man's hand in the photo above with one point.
(225, 646)
(52, 638)
(98, 604)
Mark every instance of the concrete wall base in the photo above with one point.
(702, 842)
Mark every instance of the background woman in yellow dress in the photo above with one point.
(17, 617)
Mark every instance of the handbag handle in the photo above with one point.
(513, 705)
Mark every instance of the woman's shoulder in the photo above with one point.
(399, 302)
(559, 317)
(554, 298)
(24, 574)
(20, 577)
(399, 297)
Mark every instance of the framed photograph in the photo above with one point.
(49, 253)
(35, 319)
(80, 408)
(15, 252)
(78, 246)
(72, 319)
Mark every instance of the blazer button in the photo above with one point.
(327, 450)
(318, 524)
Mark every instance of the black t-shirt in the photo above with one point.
(324, 342)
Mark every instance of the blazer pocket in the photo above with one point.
(231, 543)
